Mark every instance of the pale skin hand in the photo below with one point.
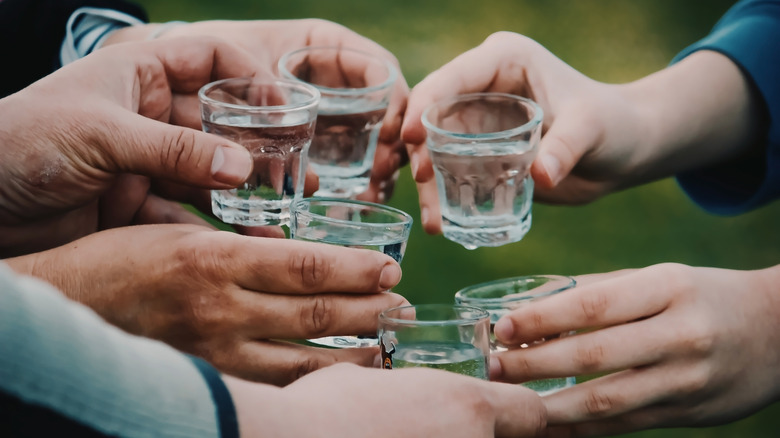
(81, 132)
(268, 40)
(228, 298)
(683, 346)
(346, 401)
(597, 138)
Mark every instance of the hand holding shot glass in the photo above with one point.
(355, 87)
(353, 224)
(481, 146)
(500, 297)
(274, 120)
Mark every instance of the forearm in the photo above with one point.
(698, 112)
(61, 365)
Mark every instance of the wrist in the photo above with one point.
(261, 409)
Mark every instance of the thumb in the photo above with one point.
(157, 149)
(568, 139)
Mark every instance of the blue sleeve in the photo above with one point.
(748, 34)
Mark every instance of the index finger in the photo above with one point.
(616, 300)
(291, 266)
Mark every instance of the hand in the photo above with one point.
(228, 298)
(346, 401)
(268, 40)
(597, 138)
(683, 346)
(74, 136)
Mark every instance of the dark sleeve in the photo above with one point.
(748, 34)
(31, 33)
(227, 418)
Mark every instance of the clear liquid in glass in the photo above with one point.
(277, 177)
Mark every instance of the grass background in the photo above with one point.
(609, 40)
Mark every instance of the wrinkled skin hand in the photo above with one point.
(268, 40)
(228, 298)
(346, 401)
(100, 122)
(679, 346)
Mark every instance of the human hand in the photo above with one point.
(682, 346)
(79, 133)
(228, 298)
(597, 138)
(269, 40)
(347, 401)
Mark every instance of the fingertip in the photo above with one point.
(231, 165)
(390, 275)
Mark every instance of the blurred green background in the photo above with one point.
(608, 40)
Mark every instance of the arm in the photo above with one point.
(599, 137)
(673, 346)
(234, 300)
(65, 372)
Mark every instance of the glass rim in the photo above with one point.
(392, 71)
(404, 217)
(524, 296)
(312, 101)
(527, 126)
(480, 314)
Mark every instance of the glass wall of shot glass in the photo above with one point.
(443, 336)
(353, 224)
(274, 120)
(500, 297)
(355, 88)
(482, 146)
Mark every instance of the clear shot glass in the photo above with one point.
(354, 224)
(274, 120)
(355, 88)
(442, 336)
(482, 146)
(500, 297)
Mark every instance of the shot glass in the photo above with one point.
(355, 88)
(482, 146)
(500, 297)
(353, 224)
(274, 120)
(443, 336)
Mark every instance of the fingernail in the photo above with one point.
(231, 165)
(424, 215)
(390, 276)
(504, 330)
(552, 166)
(495, 368)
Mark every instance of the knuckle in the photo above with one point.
(177, 150)
(590, 357)
(697, 380)
(599, 404)
(309, 268)
(316, 315)
(305, 366)
(594, 306)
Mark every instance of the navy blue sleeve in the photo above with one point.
(226, 410)
(749, 34)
